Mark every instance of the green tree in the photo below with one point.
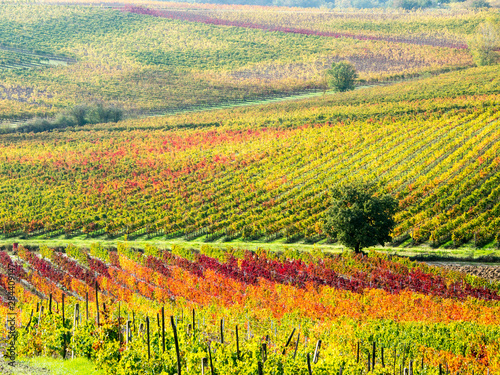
(358, 217)
(342, 76)
(485, 44)
(79, 114)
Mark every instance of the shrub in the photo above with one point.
(485, 44)
(342, 76)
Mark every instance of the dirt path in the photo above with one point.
(21, 368)
(47, 56)
(491, 272)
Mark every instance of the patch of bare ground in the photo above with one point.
(21, 368)
(488, 272)
(43, 55)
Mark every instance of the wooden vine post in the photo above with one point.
(31, 317)
(147, 336)
(211, 363)
(222, 331)
(204, 365)
(316, 352)
(194, 326)
(97, 303)
(163, 328)
(260, 370)
(288, 341)
(309, 369)
(76, 318)
(237, 343)
(374, 349)
(127, 332)
(264, 352)
(50, 303)
(64, 336)
(296, 346)
(62, 298)
(86, 305)
(177, 352)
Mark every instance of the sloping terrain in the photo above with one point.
(147, 64)
(264, 172)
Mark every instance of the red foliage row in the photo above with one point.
(186, 16)
(390, 274)
(74, 269)
(228, 269)
(298, 273)
(44, 268)
(386, 275)
(10, 266)
(157, 265)
(98, 266)
(193, 267)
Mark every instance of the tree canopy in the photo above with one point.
(485, 44)
(359, 217)
(342, 76)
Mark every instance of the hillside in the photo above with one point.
(264, 172)
(253, 173)
(53, 57)
(166, 170)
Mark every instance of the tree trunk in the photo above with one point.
(356, 249)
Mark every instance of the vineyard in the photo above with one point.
(446, 28)
(144, 62)
(107, 139)
(264, 173)
(241, 312)
(332, 24)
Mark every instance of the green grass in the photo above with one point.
(467, 251)
(77, 366)
(50, 366)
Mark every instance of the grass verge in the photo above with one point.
(422, 252)
(49, 366)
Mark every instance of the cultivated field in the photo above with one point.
(220, 190)
(250, 313)
(155, 64)
(263, 173)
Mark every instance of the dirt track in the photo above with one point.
(488, 272)
(21, 368)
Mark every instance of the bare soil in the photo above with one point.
(21, 368)
(488, 272)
